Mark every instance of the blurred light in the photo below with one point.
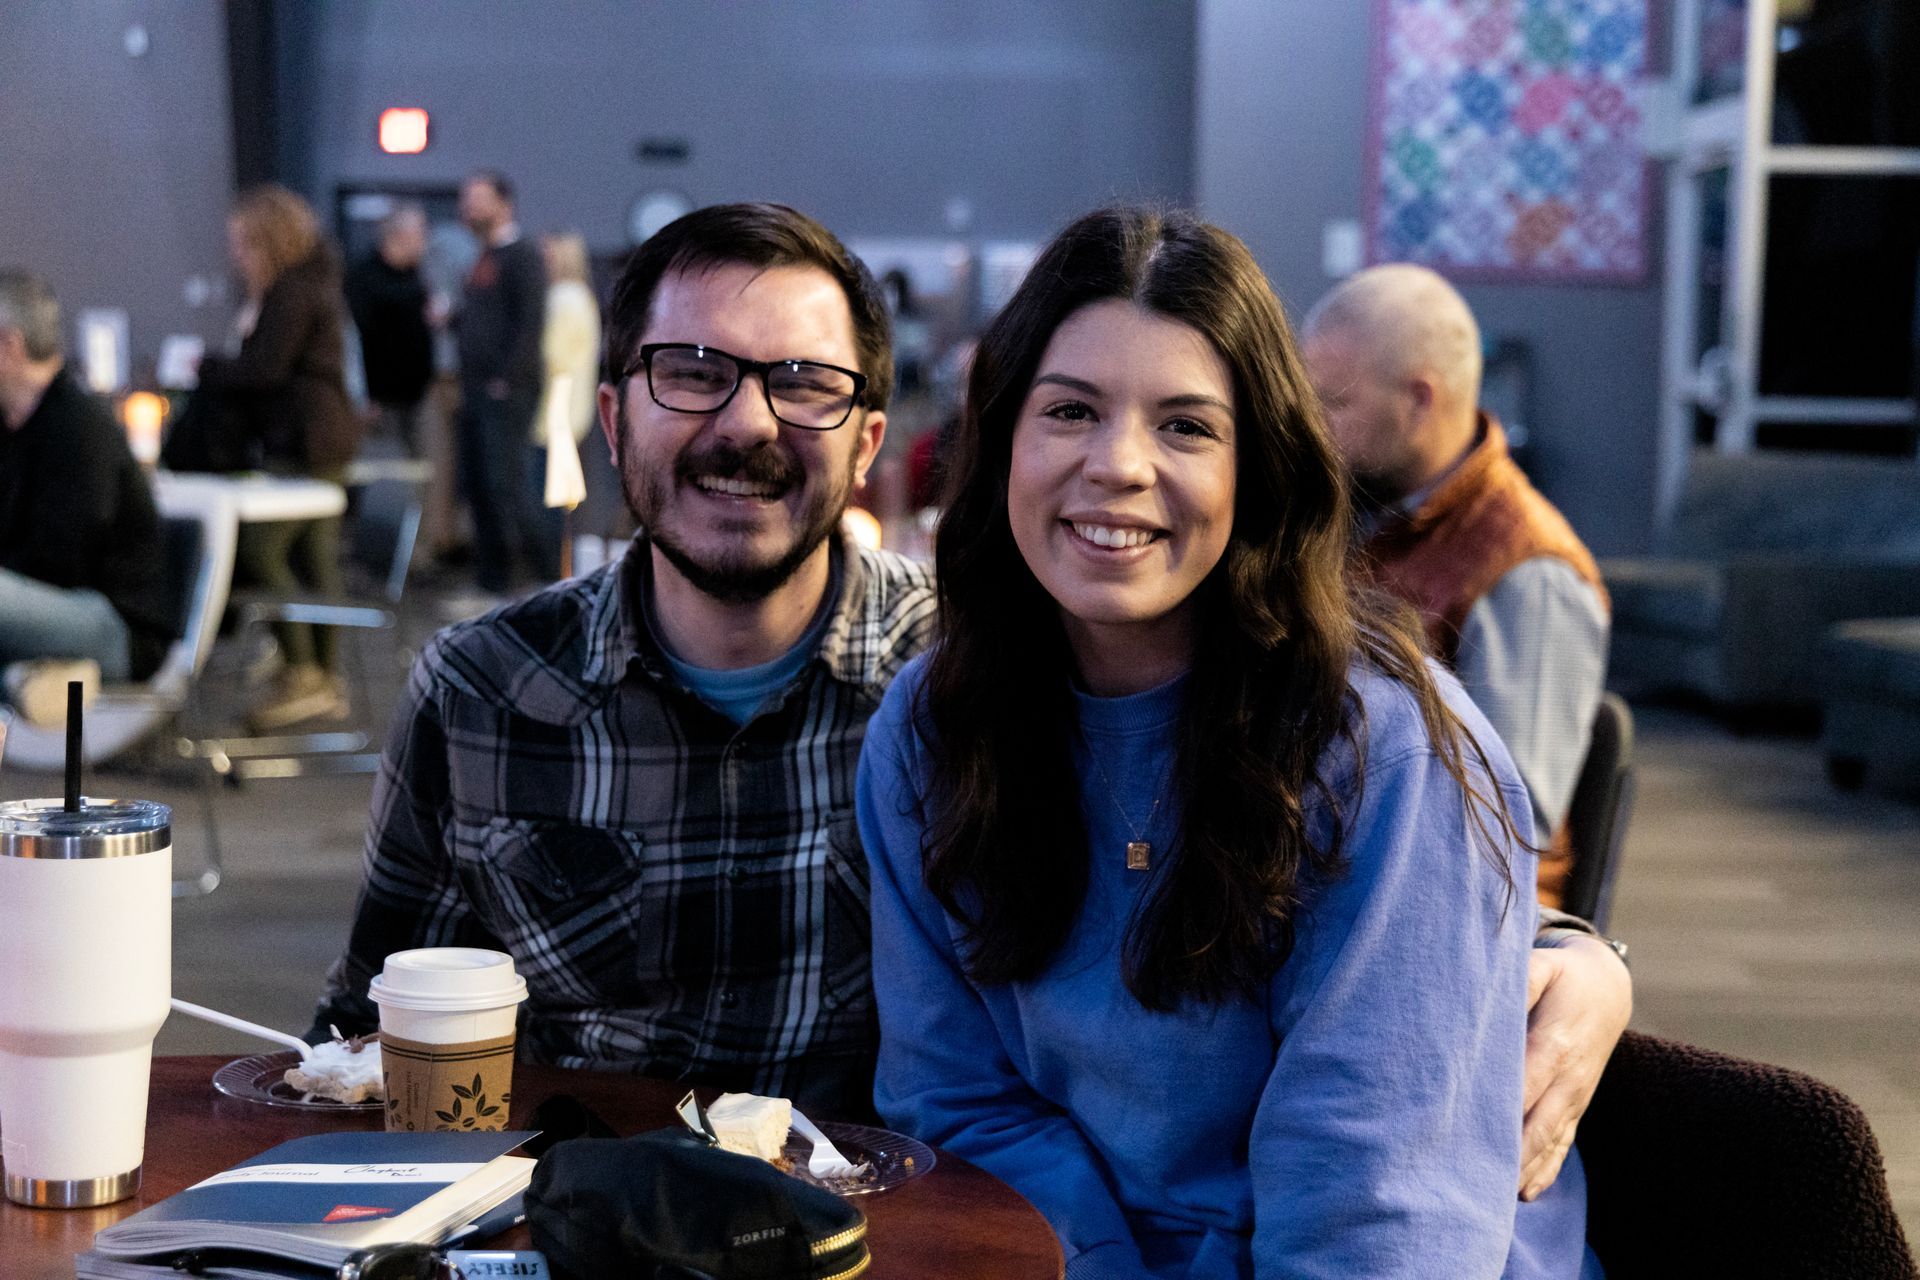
(862, 528)
(403, 131)
(144, 413)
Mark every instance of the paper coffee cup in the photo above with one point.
(446, 1037)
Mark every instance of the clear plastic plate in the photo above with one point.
(262, 1079)
(892, 1158)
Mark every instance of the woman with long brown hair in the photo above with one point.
(1199, 907)
(283, 394)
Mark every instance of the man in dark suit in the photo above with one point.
(501, 317)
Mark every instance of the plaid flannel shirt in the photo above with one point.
(685, 897)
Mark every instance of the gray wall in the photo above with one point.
(114, 171)
(870, 115)
(1280, 134)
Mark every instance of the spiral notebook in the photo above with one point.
(304, 1206)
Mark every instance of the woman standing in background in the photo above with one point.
(570, 347)
(284, 388)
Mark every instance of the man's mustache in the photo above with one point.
(762, 464)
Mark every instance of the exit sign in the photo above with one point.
(403, 131)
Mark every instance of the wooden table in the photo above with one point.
(957, 1221)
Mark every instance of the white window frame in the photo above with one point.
(1734, 133)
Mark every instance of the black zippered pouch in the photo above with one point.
(667, 1206)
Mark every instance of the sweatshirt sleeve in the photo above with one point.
(944, 1073)
(1533, 657)
(1388, 1135)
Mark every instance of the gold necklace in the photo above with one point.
(1139, 849)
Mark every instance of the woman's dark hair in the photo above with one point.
(756, 235)
(1278, 626)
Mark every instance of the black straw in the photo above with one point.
(73, 746)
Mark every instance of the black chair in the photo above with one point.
(1699, 1164)
(1597, 820)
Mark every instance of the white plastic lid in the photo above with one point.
(448, 979)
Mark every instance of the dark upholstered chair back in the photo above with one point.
(1602, 805)
(1703, 1165)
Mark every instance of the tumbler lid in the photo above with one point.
(99, 829)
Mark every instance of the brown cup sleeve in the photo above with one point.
(465, 1086)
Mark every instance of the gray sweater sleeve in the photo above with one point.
(1533, 657)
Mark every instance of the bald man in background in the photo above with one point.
(1510, 596)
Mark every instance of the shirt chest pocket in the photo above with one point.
(567, 901)
(847, 930)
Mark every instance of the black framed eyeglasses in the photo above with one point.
(687, 377)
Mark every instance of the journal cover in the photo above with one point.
(318, 1199)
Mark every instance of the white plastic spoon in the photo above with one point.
(241, 1024)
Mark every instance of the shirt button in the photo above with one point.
(733, 871)
(728, 999)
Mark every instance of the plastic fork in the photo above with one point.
(826, 1160)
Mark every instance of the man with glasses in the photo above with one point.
(640, 782)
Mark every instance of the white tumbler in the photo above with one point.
(86, 970)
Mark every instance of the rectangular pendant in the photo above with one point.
(1139, 855)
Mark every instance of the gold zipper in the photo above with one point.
(857, 1268)
(841, 1241)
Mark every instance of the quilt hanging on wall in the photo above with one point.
(1506, 139)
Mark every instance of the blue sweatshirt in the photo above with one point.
(1362, 1119)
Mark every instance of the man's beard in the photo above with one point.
(735, 579)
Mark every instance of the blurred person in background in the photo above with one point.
(570, 349)
(451, 253)
(1510, 599)
(388, 298)
(500, 325)
(1510, 596)
(912, 334)
(82, 584)
(285, 386)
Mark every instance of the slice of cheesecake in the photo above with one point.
(343, 1071)
(751, 1125)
